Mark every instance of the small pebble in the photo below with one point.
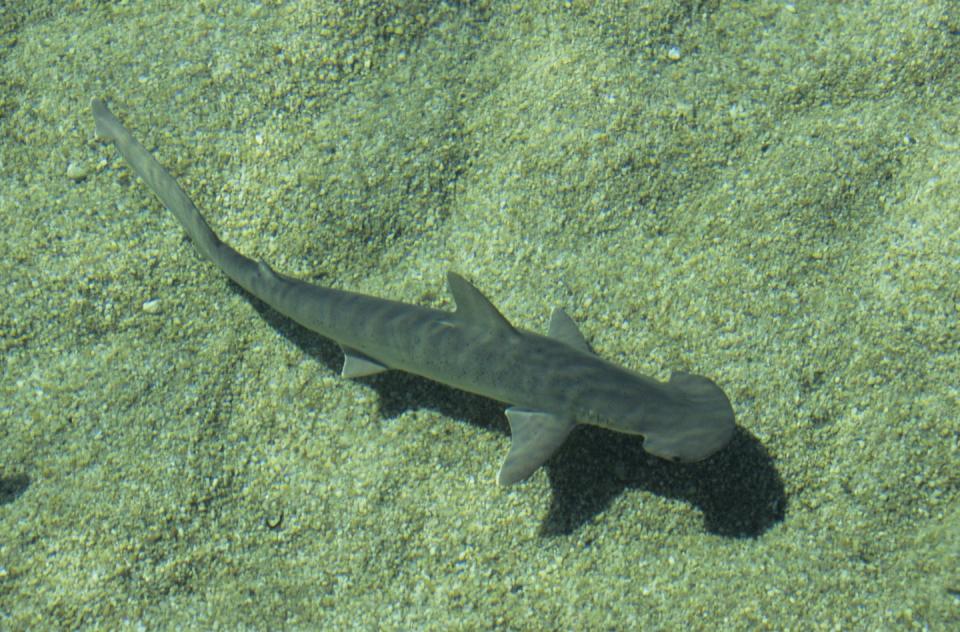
(152, 306)
(77, 171)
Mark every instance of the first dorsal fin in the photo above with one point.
(563, 328)
(472, 306)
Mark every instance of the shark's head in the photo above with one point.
(699, 426)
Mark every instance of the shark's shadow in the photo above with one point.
(738, 489)
(13, 487)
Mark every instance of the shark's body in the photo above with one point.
(551, 382)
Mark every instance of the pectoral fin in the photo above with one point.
(356, 364)
(535, 436)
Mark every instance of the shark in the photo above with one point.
(550, 383)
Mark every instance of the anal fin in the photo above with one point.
(356, 364)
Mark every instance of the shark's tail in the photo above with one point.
(244, 271)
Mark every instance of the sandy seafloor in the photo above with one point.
(766, 193)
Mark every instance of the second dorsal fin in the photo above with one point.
(472, 306)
